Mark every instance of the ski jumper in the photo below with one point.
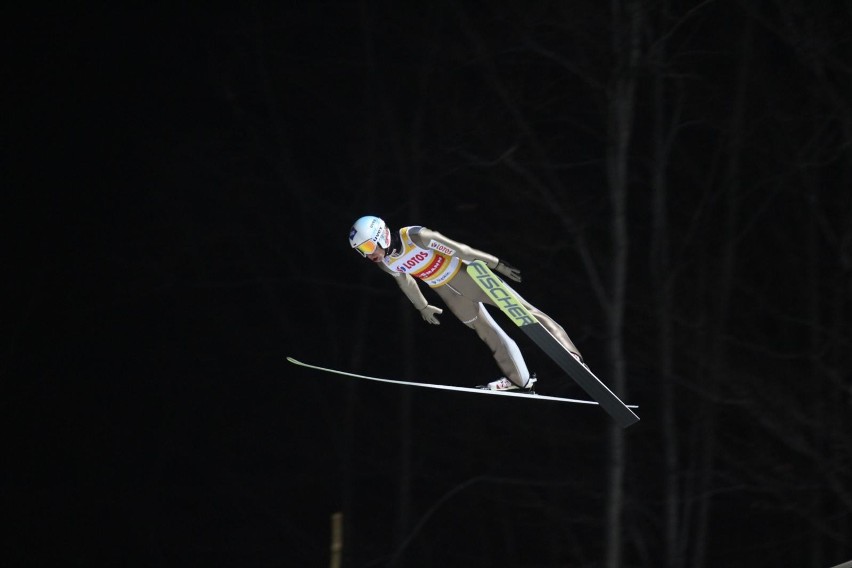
(439, 262)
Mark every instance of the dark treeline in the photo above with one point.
(671, 177)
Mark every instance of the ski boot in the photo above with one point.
(504, 384)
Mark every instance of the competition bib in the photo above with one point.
(429, 265)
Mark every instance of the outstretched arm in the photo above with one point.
(427, 238)
(409, 287)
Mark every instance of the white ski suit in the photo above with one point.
(424, 254)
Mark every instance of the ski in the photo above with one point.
(530, 396)
(509, 304)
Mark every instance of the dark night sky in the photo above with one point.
(180, 182)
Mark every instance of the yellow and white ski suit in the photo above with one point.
(438, 261)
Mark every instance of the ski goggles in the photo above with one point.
(367, 247)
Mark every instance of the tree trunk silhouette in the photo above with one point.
(665, 122)
(626, 20)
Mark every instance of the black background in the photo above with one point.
(180, 182)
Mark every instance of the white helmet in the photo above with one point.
(368, 233)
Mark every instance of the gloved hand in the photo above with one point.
(508, 271)
(429, 314)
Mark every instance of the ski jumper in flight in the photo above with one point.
(417, 253)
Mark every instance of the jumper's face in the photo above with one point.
(372, 242)
(377, 255)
